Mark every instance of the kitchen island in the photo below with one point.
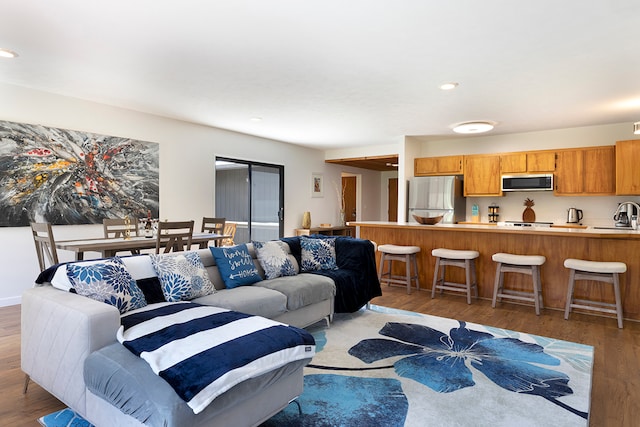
(555, 243)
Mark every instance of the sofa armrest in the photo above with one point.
(59, 330)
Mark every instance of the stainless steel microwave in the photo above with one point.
(542, 182)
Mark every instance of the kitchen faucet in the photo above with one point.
(621, 213)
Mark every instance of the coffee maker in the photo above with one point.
(624, 213)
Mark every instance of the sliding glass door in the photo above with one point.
(251, 194)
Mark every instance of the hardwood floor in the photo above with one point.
(615, 395)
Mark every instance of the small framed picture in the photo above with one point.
(317, 186)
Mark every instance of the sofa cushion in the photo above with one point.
(106, 281)
(236, 265)
(274, 259)
(302, 290)
(248, 299)
(141, 269)
(318, 254)
(182, 275)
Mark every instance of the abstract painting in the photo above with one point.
(71, 177)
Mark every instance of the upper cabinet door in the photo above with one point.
(586, 171)
(528, 162)
(627, 175)
(513, 163)
(600, 170)
(445, 165)
(541, 161)
(569, 172)
(482, 175)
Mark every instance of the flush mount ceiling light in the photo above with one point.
(449, 86)
(6, 53)
(473, 127)
(256, 119)
(636, 128)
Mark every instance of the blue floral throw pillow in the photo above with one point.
(318, 254)
(273, 259)
(107, 282)
(235, 265)
(182, 276)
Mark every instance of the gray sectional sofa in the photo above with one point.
(69, 348)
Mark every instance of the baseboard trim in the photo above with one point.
(5, 302)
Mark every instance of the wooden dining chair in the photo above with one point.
(229, 230)
(174, 236)
(212, 225)
(45, 244)
(117, 228)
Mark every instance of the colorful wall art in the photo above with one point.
(70, 177)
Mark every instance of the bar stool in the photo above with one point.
(406, 254)
(524, 264)
(455, 258)
(607, 272)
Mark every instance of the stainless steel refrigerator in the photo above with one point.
(431, 196)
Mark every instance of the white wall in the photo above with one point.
(597, 210)
(187, 153)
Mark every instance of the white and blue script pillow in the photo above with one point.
(107, 281)
(182, 276)
(273, 258)
(318, 254)
(235, 265)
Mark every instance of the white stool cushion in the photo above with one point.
(519, 259)
(454, 254)
(399, 250)
(595, 266)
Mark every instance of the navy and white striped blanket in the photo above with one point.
(203, 351)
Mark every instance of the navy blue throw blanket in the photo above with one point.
(356, 278)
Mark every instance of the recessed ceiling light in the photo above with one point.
(473, 127)
(449, 86)
(256, 119)
(6, 53)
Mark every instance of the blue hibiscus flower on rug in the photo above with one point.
(443, 361)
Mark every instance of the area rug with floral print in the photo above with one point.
(386, 367)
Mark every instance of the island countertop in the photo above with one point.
(595, 232)
(555, 243)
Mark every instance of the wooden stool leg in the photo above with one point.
(381, 268)
(540, 295)
(414, 260)
(467, 273)
(407, 262)
(497, 285)
(616, 290)
(570, 286)
(535, 275)
(474, 277)
(435, 277)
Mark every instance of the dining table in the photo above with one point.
(109, 247)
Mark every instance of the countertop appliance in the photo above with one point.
(525, 224)
(574, 216)
(541, 182)
(431, 196)
(625, 212)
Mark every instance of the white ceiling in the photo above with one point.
(336, 73)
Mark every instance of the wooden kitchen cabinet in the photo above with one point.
(627, 176)
(446, 165)
(482, 175)
(528, 162)
(586, 171)
(541, 161)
